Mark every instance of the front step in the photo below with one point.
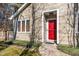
(50, 50)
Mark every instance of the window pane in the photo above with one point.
(78, 23)
(23, 25)
(28, 25)
(19, 26)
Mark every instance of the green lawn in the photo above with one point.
(11, 51)
(15, 42)
(20, 42)
(69, 50)
(2, 47)
(17, 49)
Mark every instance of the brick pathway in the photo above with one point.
(51, 50)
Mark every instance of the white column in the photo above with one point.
(57, 26)
(42, 27)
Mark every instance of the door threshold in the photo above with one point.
(50, 42)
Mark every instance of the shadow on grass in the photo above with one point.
(14, 42)
(3, 45)
(31, 50)
(28, 49)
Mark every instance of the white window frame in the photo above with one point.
(21, 27)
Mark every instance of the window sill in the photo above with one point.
(25, 32)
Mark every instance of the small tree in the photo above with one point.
(72, 10)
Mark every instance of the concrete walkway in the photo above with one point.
(51, 50)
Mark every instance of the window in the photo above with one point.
(27, 25)
(19, 26)
(78, 22)
(23, 25)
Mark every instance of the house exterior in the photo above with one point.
(53, 23)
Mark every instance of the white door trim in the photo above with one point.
(57, 26)
(47, 31)
(43, 40)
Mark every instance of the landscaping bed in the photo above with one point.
(69, 50)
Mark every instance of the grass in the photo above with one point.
(16, 42)
(11, 51)
(69, 50)
(33, 51)
(2, 47)
(15, 51)
(17, 47)
(20, 42)
(30, 52)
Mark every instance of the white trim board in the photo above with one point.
(57, 24)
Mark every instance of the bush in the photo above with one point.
(69, 50)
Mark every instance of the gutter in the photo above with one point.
(20, 10)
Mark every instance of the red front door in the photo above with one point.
(52, 30)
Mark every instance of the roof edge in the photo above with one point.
(21, 9)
